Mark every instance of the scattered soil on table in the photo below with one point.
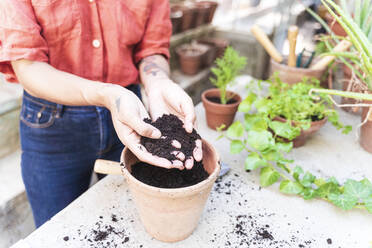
(66, 238)
(218, 100)
(172, 129)
(329, 241)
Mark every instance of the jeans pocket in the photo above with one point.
(37, 115)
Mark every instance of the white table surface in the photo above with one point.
(292, 221)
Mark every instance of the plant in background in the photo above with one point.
(228, 67)
(260, 137)
(358, 27)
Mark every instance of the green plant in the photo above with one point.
(358, 26)
(228, 67)
(260, 137)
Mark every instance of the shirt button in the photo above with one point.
(96, 43)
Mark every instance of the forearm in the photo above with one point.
(152, 69)
(43, 81)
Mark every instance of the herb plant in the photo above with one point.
(228, 67)
(258, 135)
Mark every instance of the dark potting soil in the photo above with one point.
(172, 129)
(218, 100)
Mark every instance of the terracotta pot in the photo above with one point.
(212, 10)
(191, 57)
(189, 15)
(216, 113)
(366, 130)
(336, 28)
(203, 10)
(301, 139)
(219, 43)
(171, 215)
(293, 75)
(176, 18)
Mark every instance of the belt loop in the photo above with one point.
(59, 110)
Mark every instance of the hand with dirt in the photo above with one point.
(128, 114)
(169, 98)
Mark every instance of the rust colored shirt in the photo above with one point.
(99, 40)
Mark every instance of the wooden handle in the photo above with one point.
(325, 61)
(107, 167)
(266, 43)
(292, 38)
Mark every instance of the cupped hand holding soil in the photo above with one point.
(175, 144)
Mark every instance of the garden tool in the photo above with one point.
(325, 61)
(292, 38)
(266, 43)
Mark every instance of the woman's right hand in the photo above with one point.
(128, 113)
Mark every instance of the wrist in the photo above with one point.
(155, 86)
(109, 93)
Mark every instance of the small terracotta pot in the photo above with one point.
(293, 75)
(171, 215)
(176, 18)
(189, 15)
(366, 130)
(203, 9)
(301, 139)
(192, 57)
(219, 43)
(216, 113)
(212, 10)
(335, 26)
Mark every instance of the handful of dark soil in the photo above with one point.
(172, 129)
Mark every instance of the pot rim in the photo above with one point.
(295, 69)
(205, 99)
(175, 192)
(312, 122)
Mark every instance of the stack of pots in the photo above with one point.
(193, 14)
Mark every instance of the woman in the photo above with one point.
(80, 62)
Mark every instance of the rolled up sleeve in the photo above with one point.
(20, 36)
(158, 32)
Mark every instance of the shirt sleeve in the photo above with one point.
(20, 36)
(157, 34)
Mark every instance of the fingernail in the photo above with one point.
(189, 163)
(177, 164)
(176, 144)
(156, 134)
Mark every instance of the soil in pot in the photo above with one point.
(217, 113)
(191, 57)
(172, 129)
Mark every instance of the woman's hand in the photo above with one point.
(166, 97)
(128, 113)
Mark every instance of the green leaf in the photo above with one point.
(220, 128)
(319, 182)
(220, 137)
(308, 179)
(284, 147)
(356, 189)
(290, 187)
(260, 140)
(347, 129)
(343, 201)
(328, 188)
(236, 130)
(333, 180)
(284, 129)
(253, 161)
(297, 171)
(309, 193)
(246, 105)
(253, 122)
(236, 146)
(268, 176)
(368, 204)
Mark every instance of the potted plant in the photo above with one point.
(291, 108)
(220, 104)
(359, 33)
(192, 57)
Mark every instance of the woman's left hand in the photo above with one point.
(166, 97)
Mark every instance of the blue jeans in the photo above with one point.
(59, 147)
